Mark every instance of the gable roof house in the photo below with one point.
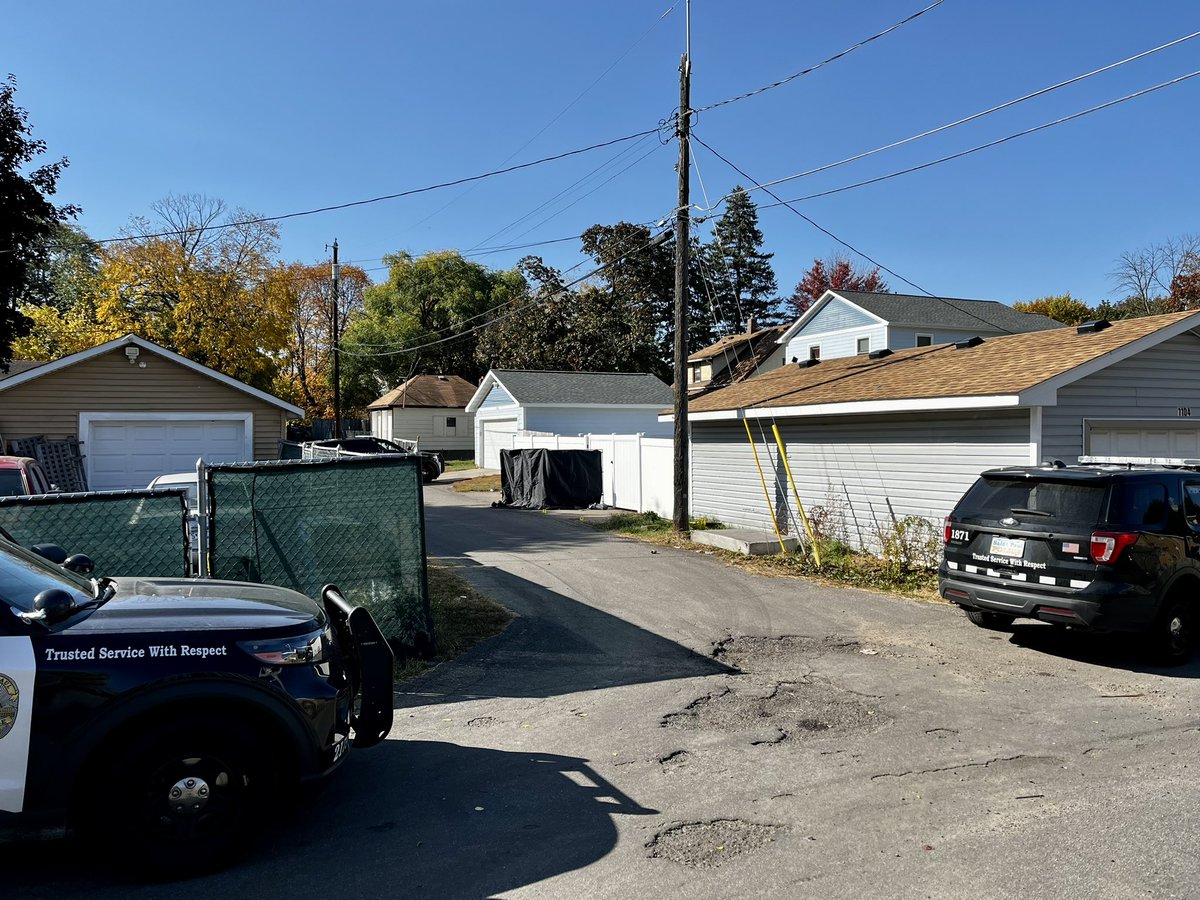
(429, 409)
(734, 358)
(510, 401)
(140, 410)
(850, 323)
(876, 440)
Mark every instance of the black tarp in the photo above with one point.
(550, 479)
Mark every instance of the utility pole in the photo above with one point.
(337, 372)
(681, 520)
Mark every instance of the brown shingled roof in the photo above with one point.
(732, 340)
(1004, 365)
(439, 391)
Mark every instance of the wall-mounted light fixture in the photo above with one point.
(131, 353)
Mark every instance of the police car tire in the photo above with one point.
(985, 619)
(1175, 630)
(129, 815)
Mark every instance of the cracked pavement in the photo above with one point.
(542, 764)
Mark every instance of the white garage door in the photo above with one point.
(1173, 441)
(497, 436)
(129, 453)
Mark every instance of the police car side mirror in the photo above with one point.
(80, 564)
(52, 552)
(54, 604)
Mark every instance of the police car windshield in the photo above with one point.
(24, 575)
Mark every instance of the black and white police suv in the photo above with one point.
(165, 719)
(1112, 544)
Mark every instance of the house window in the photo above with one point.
(697, 372)
(814, 352)
(451, 422)
(924, 340)
(864, 346)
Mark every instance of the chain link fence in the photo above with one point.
(358, 523)
(126, 533)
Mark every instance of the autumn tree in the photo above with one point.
(1185, 286)
(835, 273)
(420, 321)
(1145, 277)
(1062, 308)
(742, 280)
(307, 370)
(27, 218)
(198, 279)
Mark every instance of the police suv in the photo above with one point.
(156, 717)
(1112, 544)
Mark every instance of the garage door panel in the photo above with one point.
(1173, 441)
(124, 454)
(497, 436)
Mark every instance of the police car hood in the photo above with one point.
(159, 604)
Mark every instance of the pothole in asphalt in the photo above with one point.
(483, 722)
(708, 845)
(792, 710)
(757, 654)
(679, 759)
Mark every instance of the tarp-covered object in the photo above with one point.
(550, 479)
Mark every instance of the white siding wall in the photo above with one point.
(1153, 384)
(427, 425)
(836, 344)
(596, 420)
(876, 469)
(487, 413)
(903, 338)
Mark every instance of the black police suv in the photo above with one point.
(166, 719)
(1100, 546)
(433, 464)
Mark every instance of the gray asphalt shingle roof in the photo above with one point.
(631, 388)
(948, 312)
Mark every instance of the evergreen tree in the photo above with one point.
(738, 271)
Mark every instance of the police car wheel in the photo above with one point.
(1176, 630)
(179, 798)
(985, 619)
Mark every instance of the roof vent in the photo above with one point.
(1093, 326)
(442, 378)
(808, 363)
(879, 354)
(968, 343)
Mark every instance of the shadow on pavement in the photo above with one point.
(406, 818)
(556, 646)
(1131, 652)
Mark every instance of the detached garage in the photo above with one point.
(140, 410)
(510, 401)
(872, 441)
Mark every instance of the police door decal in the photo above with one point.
(16, 700)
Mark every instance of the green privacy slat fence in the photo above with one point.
(357, 523)
(126, 533)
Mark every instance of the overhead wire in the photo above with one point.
(978, 115)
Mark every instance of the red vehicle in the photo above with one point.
(22, 475)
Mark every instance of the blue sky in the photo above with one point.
(277, 107)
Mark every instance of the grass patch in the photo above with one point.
(482, 483)
(839, 564)
(638, 524)
(462, 617)
(459, 465)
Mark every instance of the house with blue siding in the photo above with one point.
(511, 401)
(856, 323)
(873, 441)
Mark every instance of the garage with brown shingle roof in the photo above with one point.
(875, 440)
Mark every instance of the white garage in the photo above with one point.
(125, 451)
(1168, 439)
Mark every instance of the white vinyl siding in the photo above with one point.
(873, 469)
(1154, 384)
(497, 397)
(427, 425)
(901, 337)
(596, 420)
(837, 315)
(837, 344)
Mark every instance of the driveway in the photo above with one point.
(659, 724)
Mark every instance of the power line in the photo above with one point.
(534, 302)
(989, 144)
(353, 203)
(822, 63)
(845, 244)
(986, 112)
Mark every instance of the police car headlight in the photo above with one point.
(302, 650)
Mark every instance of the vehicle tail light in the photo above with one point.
(1107, 546)
(946, 532)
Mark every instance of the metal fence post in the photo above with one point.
(203, 570)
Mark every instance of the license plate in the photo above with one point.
(1002, 546)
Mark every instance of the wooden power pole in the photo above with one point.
(681, 520)
(337, 372)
